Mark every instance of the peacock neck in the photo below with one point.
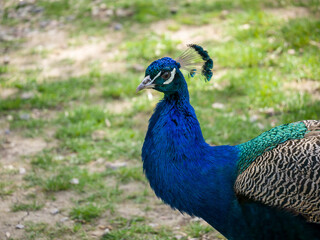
(182, 120)
(175, 121)
(185, 171)
(180, 97)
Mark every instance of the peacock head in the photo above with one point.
(164, 74)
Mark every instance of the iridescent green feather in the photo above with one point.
(250, 150)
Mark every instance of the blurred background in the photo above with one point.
(72, 126)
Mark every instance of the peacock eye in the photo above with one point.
(166, 75)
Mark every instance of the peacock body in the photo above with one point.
(266, 188)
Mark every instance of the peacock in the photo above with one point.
(266, 188)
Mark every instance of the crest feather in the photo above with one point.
(196, 59)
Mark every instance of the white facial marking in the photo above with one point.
(173, 72)
(156, 76)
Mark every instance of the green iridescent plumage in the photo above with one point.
(249, 151)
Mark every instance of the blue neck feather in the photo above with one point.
(183, 170)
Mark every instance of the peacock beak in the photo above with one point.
(146, 83)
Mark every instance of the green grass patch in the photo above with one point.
(3, 69)
(127, 174)
(25, 123)
(299, 32)
(39, 230)
(301, 65)
(151, 46)
(197, 230)
(33, 206)
(6, 188)
(81, 122)
(107, 195)
(63, 179)
(48, 94)
(58, 182)
(136, 228)
(44, 161)
(56, 8)
(87, 212)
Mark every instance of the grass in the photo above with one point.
(33, 206)
(135, 228)
(86, 212)
(6, 189)
(197, 230)
(36, 230)
(48, 94)
(91, 119)
(150, 47)
(127, 174)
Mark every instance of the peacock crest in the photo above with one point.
(196, 59)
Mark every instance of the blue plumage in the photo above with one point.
(165, 63)
(204, 181)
